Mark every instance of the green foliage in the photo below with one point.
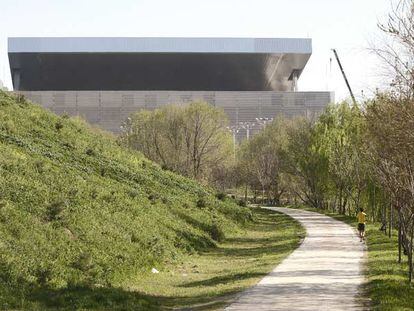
(217, 232)
(191, 140)
(77, 210)
(262, 159)
(201, 202)
(221, 196)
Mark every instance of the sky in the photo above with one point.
(349, 26)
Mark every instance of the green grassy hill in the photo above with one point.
(78, 211)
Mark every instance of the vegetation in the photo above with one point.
(354, 155)
(81, 218)
(191, 140)
(212, 278)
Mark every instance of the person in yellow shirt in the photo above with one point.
(361, 224)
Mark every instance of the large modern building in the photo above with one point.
(106, 79)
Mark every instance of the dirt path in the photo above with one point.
(324, 273)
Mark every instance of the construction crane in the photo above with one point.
(344, 75)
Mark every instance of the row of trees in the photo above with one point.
(351, 157)
(354, 155)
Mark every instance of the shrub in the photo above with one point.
(242, 203)
(83, 262)
(54, 210)
(221, 196)
(133, 193)
(201, 202)
(90, 152)
(153, 198)
(217, 232)
(58, 125)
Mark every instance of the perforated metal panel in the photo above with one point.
(109, 109)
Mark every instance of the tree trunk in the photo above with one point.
(399, 236)
(410, 259)
(390, 220)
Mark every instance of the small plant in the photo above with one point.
(153, 198)
(58, 125)
(43, 276)
(221, 196)
(217, 232)
(94, 193)
(39, 165)
(73, 192)
(90, 152)
(201, 202)
(67, 145)
(21, 99)
(83, 262)
(133, 193)
(242, 203)
(54, 210)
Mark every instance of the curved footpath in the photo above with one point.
(324, 273)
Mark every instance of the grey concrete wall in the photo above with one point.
(108, 109)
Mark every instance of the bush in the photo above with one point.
(201, 202)
(241, 203)
(54, 210)
(90, 152)
(221, 196)
(217, 232)
(58, 125)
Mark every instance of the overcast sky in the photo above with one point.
(347, 25)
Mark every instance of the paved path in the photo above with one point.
(324, 273)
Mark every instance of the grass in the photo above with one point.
(212, 278)
(208, 280)
(83, 221)
(387, 286)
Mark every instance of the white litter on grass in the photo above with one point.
(153, 270)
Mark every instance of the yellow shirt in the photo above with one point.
(361, 217)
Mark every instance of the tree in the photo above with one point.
(340, 129)
(308, 163)
(262, 159)
(397, 52)
(390, 123)
(191, 140)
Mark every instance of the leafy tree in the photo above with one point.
(308, 163)
(191, 140)
(262, 160)
(340, 129)
(390, 123)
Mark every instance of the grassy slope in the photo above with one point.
(387, 285)
(76, 210)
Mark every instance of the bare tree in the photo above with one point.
(397, 52)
